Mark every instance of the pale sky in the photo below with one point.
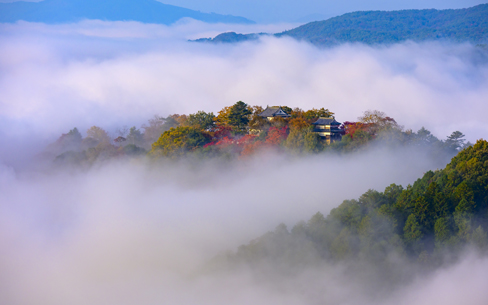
(270, 11)
(294, 10)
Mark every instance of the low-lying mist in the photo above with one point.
(137, 232)
(130, 232)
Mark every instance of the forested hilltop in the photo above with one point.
(386, 27)
(462, 25)
(238, 131)
(424, 224)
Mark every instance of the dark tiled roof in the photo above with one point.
(271, 112)
(326, 121)
(332, 131)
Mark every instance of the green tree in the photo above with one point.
(201, 120)
(441, 231)
(455, 141)
(177, 142)
(287, 109)
(424, 137)
(412, 232)
(239, 115)
(393, 192)
(424, 212)
(311, 142)
(463, 223)
(66, 142)
(295, 141)
(372, 199)
(465, 195)
(313, 114)
(135, 136)
(133, 150)
(342, 246)
(479, 238)
(74, 135)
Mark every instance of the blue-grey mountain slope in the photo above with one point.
(146, 11)
(381, 27)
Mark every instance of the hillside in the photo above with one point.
(380, 27)
(146, 11)
(442, 212)
(389, 27)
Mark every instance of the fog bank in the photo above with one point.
(54, 78)
(127, 232)
(134, 233)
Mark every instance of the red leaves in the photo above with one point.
(276, 135)
(221, 131)
(246, 139)
(351, 127)
(226, 141)
(209, 144)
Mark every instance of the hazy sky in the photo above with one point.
(305, 10)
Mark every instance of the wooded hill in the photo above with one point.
(427, 223)
(238, 131)
(383, 27)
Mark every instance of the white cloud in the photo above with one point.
(56, 77)
(133, 233)
(126, 234)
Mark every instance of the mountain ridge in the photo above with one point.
(146, 11)
(378, 27)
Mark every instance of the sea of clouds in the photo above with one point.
(128, 232)
(110, 74)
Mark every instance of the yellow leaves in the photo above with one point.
(98, 134)
(223, 116)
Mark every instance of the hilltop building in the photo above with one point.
(328, 129)
(273, 112)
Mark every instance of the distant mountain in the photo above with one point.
(147, 11)
(230, 37)
(373, 27)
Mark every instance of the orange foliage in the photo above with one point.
(276, 135)
(351, 127)
(298, 123)
(181, 119)
(251, 148)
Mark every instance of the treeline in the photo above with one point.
(379, 27)
(238, 131)
(385, 27)
(440, 214)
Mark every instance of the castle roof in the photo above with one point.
(274, 111)
(326, 121)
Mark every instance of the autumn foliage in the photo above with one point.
(240, 131)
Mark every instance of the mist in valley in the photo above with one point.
(132, 231)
